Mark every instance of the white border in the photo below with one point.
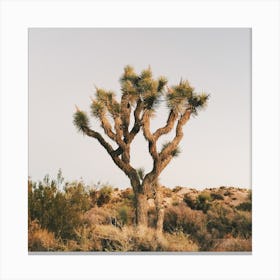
(261, 16)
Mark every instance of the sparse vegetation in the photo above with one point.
(79, 218)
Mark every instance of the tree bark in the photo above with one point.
(141, 210)
(159, 210)
(160, 219)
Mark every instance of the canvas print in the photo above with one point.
(139, 140)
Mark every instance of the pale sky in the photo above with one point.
(65, 64)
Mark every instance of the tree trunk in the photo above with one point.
(160, 217)
(141, 210)
(159, 211)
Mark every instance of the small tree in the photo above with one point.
(140, 97)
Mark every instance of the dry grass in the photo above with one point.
(41, 239)
(131, 239)
(233, 245)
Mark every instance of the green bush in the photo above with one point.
(123, 214)
(57, 211)
(245, 206)
(104, 195)
(189, 201)
(216, 196)
(202, 202)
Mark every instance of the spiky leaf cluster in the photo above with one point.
(182, 97)
(103, 103)
(162, 82)
(81, 120)
(175, 152)
(142, 86)
(198, 101)
(141, 173)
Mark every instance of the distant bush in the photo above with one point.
(182, 218)
(224, 220)
(227, 193)
(176, 189)
(104, 195)
(202, 202)
(216, 196)
(125, 215)
(189, 201)
(245, 206)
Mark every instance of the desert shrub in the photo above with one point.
(203, 202)
(190, 222)
(189, 201)
(58, 211)
(176, 189)
(245, 206)
(166, 192)
(125, 215)
(242, 225)
(216, 196)
(228, 193)
(152, 217)
(223, 220)
(249, 195)
(78, 197)
(128, 194)
(219, 220)
(100, 216)
(234, 245)
(130, 239)
(175, 203)
(85, 239)
(104, 195)
(40, 239)
(180, 242)
(93, 195)
(182, 218)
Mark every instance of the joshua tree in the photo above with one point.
(122, 120)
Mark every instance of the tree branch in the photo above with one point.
(125, 115)
(137, 121)
(168, 127)
(149, 136)
(125, 166)
(105, 124)
(178, 137)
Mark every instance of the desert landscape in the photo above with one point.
(147, 142)
(102, 218)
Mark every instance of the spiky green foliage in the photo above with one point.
(198, 102)
(81, 120)
(97, 108)
(146, 82)
(129, 75)
(164, 145)
(151, 101)
(141, 173)
(177, 97)
(176, 152)
(182, 97)
(162, 82)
